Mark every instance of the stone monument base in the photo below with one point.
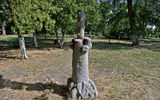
(82, 90)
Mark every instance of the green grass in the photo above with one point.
(8, 41)
(132, 73)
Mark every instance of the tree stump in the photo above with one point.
(80, 86)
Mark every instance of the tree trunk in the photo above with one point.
(35, 40)
(119, 37)
(57, 42)
(45, 34)
(135, 40)
(3, 29)
(62, 39)
(22, 47)
(89, 31)
(109, 39)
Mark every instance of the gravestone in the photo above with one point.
(80, 86)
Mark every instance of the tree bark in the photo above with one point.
(35, 40)
(62, 39)
(57, 37)
(135, 39)
(89, 31)
(119, 37)
(109, 40)
(3, 28)
(22, 46)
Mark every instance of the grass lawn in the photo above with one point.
(120, 71)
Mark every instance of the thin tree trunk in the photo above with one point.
(90, 35)
(62, 40)
(89, 31)
(3, 29)
(135, 40)
(109, 39)
(45, 35)
(22, 46)
(57, 35)
(20, 36)
(57, 38)
(35, 40)
(119, 37)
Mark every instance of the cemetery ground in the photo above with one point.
(120, 71)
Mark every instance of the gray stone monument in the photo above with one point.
(80, 86)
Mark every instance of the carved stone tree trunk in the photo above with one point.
(80, 86)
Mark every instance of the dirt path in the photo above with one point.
(26, 79)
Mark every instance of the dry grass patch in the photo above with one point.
(120, 72)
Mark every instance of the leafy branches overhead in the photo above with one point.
(41, 15)
(31, 15)
(102, 16)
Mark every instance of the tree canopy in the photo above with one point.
(103, 17)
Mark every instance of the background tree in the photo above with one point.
(17, 15)
(41, 17)
(3, 16)
(110, 18)
(31, 16)
(65, 20)
(132, 22)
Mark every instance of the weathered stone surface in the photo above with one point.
(81, 26)
(80, 86)
(82, 90)
(80, 60)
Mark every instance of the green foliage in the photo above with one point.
(116, 18)
(33, 15)
(108, 17)
(66, 18)
(3, 14)
(3, 11)
(41, 16)
(92, 14)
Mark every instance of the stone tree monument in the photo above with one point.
(80, 86)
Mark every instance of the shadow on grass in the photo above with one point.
(13, 43)
(6, 46)
(111, 46)
(56, 88)
(8, 55)
(48, 44)
(153, 45)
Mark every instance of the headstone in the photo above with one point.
(80, 86)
